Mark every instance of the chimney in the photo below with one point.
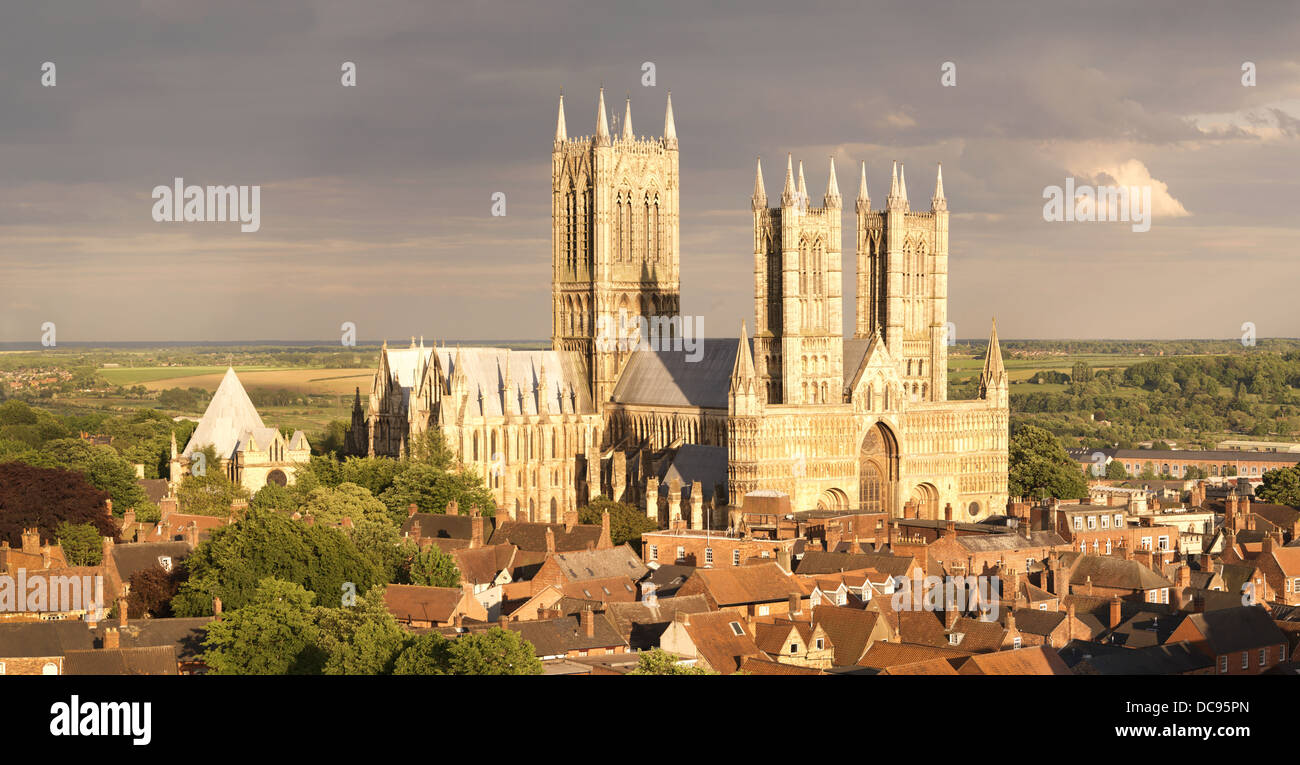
(503, 620)
(1060, 585)
(411, 509)
(1011, 621)
(216, 607)
(414, 533)
(112, 639)
(31, 541)
(570, 519)
(453, 508)
(1267, 547)
(122, 610)
(476, 527)
(107, 551)
(128, 518)
(1184, 576)
(950, 528)
(588, 620)
(550, 540)
(1207, 563)
(108, 504)
(1115, 611)
(604, 525)
(795, 607)
(1124, 552)
(649, 594)
(947, 512)
(192, 534)
(1069, 622)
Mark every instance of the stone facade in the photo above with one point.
(835, 423)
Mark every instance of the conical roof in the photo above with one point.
(229, 415)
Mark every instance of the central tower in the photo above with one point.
(614, 240)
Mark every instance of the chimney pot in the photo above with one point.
(112, 639)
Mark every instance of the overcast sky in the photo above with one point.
(376, 199)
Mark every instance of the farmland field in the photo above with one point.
(310, 380)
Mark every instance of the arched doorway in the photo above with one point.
(877, 470)
(277, 477)
(926, 500)
(833, 499)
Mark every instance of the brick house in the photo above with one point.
(1240, 641)
(418, 606)
(762, 589)
(718, 640)
(714, 549)
(1280, 567)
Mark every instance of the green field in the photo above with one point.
(128, 376)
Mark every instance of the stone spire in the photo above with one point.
(788, 196)
(744, 382)
(670, 127)
(628, 135)
(902, 182)
(561, 132)
(938, 202)
(602, 124)
(803, 188)
(994, 374)
(743, 369)
(760, 194)
(864, 198)
(173, 444)
(832, 198)
(543, 393)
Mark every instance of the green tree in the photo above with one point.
(1281, 486)
(432, 567)
(82, 545)
(494, 652)
(347, 500)
(1115, 470)
(275, 633)
(1039, 467)
(431, 489)
(660, 662)
(211, 492)
(268, 544)
(102, 466)
(626, 523)
(427, 654)
(363, 639)
(273, 496)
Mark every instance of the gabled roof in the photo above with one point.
(849, 630)
(759, 583)
(753, 665)
(133, 557)
(486, 376)
(482, 565)
(642, 624)
(600, 564)
(674, 378)
(1237, 629)
(531, 537)
(818, 562)
(418, 603)
(716, 641)
(229, 417)
(1169, 659)
(1039, 660)
(556, 637)
(882, 655)
(36, 639)
(1105, 571)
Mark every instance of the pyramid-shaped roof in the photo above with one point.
(229, 416)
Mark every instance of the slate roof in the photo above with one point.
(530, 536)
(1145, 628)
(21, 640)
(672, 378)
(1243, 628)
(133, 557)
(818, 562)
(440, 525)
(154, 488)
(692, 462)
(151, 660)
(186, 634)
(642, 625)
(556, 637)
(668, 578)
(1009, 541)
(1169, 659)
(1035, 622)
(978, 636)
(601, 564)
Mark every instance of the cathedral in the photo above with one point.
(834, 422)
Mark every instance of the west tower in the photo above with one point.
(903, 283)
(614, 235)
(798, 305)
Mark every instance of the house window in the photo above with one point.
(1109, 547)
(841, 598)
(954, 638)
(1015, 642)
(794, 648)
(1119, 520)
(1146, 543)
(1029, 563)
(821, 643)
(1263, 656)
(763, 611)
(1281, 652)
(1223, 665)
(1105, 521)
(708, 556)
(1245, 659)
(735, 557)
(1163, 543)
(681, 552)
(1296, 585)
(1164, 595)
(767, 554)
(1078, 523)
(654, 552)
(50, 668)
(2, 667)
(1042, 606)
(1092, 522)
(736, 629)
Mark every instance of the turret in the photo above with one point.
(628, 135)
(864, 198)
(670, 127)
(602, 123)
(803, 189)
(561, 132)
(938, 202)
(993, 380)
(760, 194)
(789, 196)
(832, 198)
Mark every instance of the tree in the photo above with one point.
(273, 496)
(363, 639)
(347, 500)
(152, 590)
(273, 634)
(267, 544)
(1039, 467)
(82, 545)
(103, 467)
(209, 493)
(626, 523)
(1115, 470)
(427, 654)
(1281, 486)
(431, 489)
(659, 662)
(44, 497)
(494, 652)
(432, 567)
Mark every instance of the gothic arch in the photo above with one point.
(878, 470)
(925, 498)
(833, 499)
